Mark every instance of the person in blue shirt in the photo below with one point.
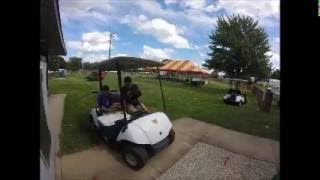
(108, 102)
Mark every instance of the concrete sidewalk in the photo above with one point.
(234, 141)
(55, 116)
(104, 163)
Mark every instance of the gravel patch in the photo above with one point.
(204, 161)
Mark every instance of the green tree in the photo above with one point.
(57, 62)
(87, 66)
(239, 48)
(91, 66)
(74, 63)
(275, 74)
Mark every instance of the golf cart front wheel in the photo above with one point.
(135, 157)
(240, 103)
(171, 136)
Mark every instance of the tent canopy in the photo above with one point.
(184, 66)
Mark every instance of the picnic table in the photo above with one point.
(195, 82)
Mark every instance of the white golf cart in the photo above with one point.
(234, 95)
(138, 135)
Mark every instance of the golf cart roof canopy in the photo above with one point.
(124, 63)
(127, 62)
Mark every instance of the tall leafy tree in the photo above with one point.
(75, 63)
(87, 66)
(57, 62)
(239, 48)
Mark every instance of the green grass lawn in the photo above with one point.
(203, 103)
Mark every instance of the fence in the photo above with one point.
(264, 98)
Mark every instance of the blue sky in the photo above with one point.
(157, 29)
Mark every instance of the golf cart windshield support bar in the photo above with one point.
(163, 102)
(100, 80)
(121, 95)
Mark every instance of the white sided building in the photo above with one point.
(51, 43)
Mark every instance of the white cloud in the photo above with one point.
(82, 15)
(91, 57)
(274, 59)
(213, 8)
(202, 55)
(96, 56)
(92, 42)
(155, 54)
(162, 30)
(119, 54)
(194, 4)
(167, 2)
(201, 50)
(94, 14)
(263, 10)
(89, 13)
(194, 46)
(84, 4)
(275, 45)
(195, 15)
(200, 18)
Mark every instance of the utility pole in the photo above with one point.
(110, 40)
(100, 79)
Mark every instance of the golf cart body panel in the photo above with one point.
(149, 129)
(235, 96)
(133, 134)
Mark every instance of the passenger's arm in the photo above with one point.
(137, 92)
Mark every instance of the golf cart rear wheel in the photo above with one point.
(135, 156)
(172, 135)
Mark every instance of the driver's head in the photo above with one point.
(105, 88)
(127, 81)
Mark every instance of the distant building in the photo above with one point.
(274, 85)
(221, 75)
